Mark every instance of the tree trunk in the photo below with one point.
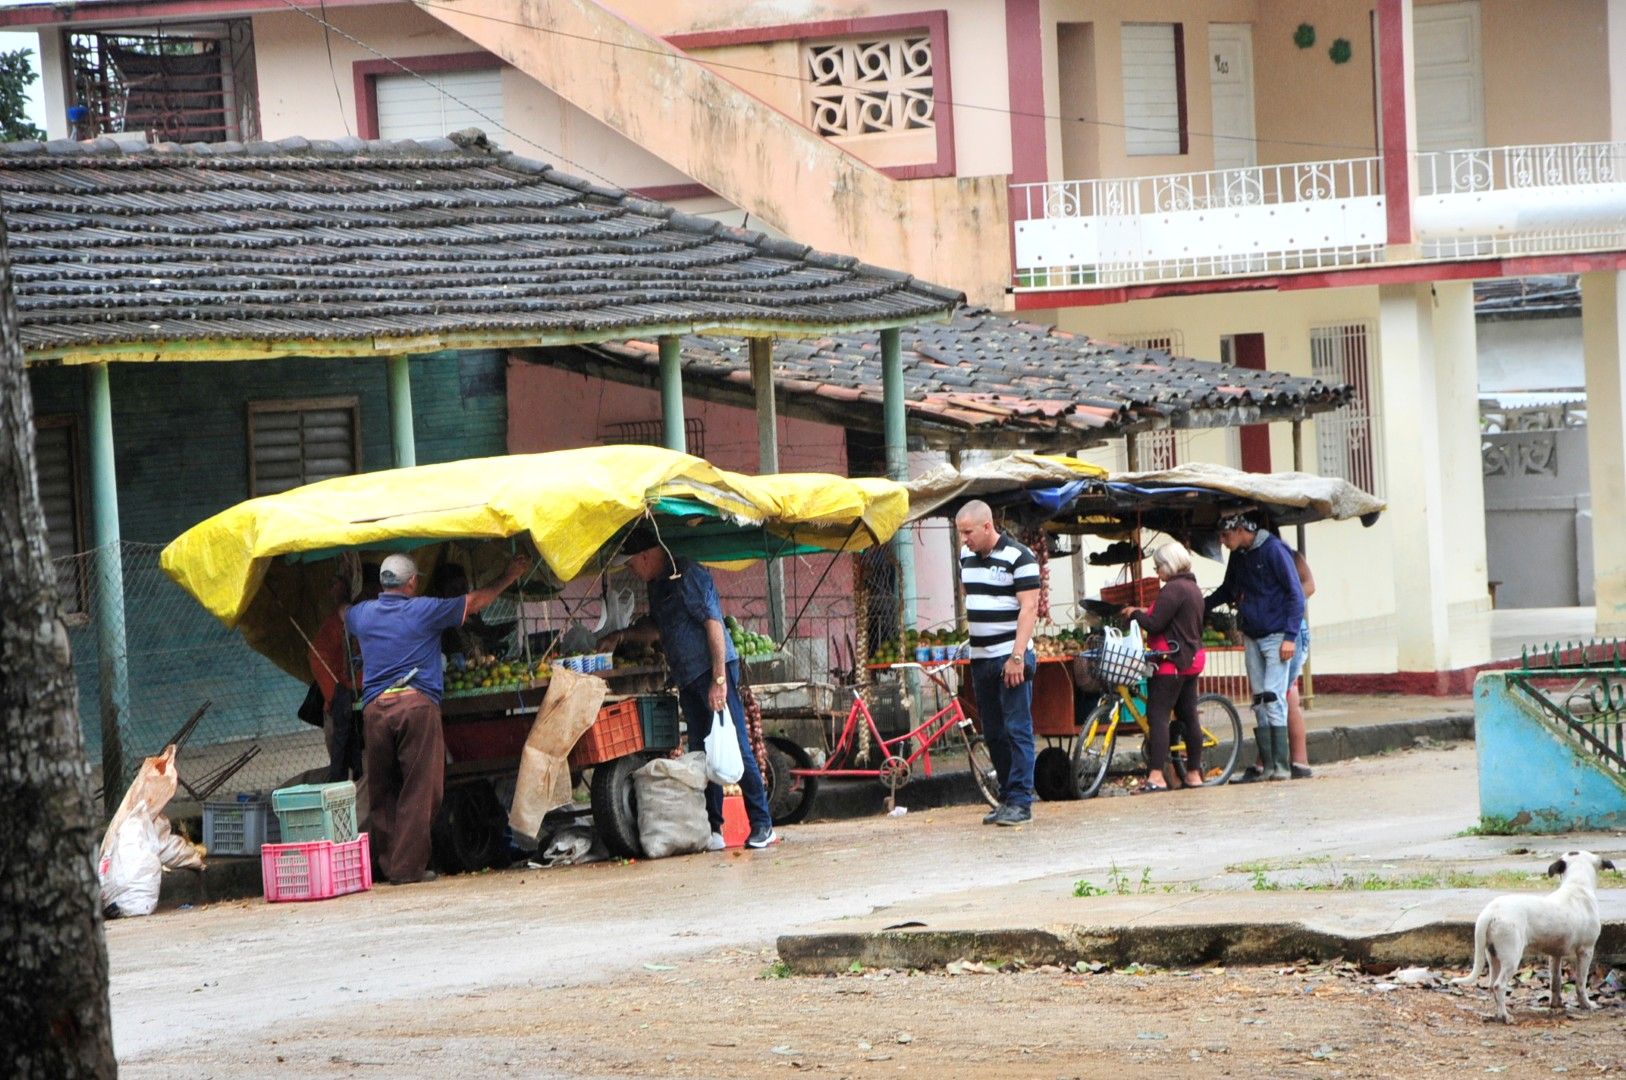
(54, 1018)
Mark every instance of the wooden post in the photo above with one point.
(761, 350)
(672, 431)
(1307, 694)
(897, 462)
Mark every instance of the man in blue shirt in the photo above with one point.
(1263, 583)
(701, 659)
(404, 753)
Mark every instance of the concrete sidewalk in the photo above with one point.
(1040, 922)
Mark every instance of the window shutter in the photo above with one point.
(56, 464)
(1152, 113)
(1346, 439)
(414, 108)
(292, 444)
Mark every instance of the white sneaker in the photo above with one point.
(716, 842)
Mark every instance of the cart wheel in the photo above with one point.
(1222, 737)
(982, 769)
(467, 834)
(1092, 750)
(1053, 775)
(790, 798)
(615, 804)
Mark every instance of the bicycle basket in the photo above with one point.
(1119, 667)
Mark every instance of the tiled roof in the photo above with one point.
(987, 379)
(352, 242)
(1548, 296)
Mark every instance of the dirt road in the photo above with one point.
(558, 972)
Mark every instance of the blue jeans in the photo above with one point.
(1007, 724)
(1295, 666)
(1267, 677)
(695, 701)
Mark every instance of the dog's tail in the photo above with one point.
(1480, 963)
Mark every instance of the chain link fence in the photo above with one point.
(177, 657)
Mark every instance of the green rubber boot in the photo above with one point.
(1281, 756)
(1261, 771)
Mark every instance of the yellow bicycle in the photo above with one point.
(1122, 710)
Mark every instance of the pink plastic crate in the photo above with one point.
(318, 870)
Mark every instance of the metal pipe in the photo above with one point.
(672, 432)
(112, 657)
(761, 350)
(402, 439)
(1298, 466)
(897, 462)
(960, 621)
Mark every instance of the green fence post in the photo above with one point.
(112, 658)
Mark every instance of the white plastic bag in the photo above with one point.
(131, 870)
(1123, 656)
(724, 765)
(672, 806)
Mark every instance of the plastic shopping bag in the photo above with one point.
(724, 765)
(131, 869)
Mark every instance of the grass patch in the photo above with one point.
(1491, 825)
(1505, 880)
(776, 970)
(1121, 883)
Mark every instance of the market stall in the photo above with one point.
(265, 565)
(1042, 499)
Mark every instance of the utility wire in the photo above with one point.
(332, 69)
(672, 52)
(499, 125)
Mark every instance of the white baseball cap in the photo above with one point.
(396, 571)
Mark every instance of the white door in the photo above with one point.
(1449, 78)
(1230, 74)
(414, 108)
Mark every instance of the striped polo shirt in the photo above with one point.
(992, 583)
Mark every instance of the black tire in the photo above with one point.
(982, 769)
(615, 805)
(467, 835)
(1220, 719)
(1053, 775)
(1092, 750)
(790, 798)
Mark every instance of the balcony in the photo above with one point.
(1183, 226)
(1477, 203)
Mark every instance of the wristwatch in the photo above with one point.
(722, 680)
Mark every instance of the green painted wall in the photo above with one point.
(180, 435)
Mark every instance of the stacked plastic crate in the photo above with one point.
(322, 854)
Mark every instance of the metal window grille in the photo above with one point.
(1347, 440)
(653, 433)
(1161, 448)
(292, 443)
(188, 84)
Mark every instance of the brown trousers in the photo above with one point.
(404, 760)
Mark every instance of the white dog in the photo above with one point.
(1563, 924)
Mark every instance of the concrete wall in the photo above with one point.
(1531, 355)
(1532, 774)
(1538, 526)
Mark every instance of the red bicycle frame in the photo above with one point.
(945, 719)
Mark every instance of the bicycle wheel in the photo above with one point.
(982, 768)
(1222, 737)
(1092, 749)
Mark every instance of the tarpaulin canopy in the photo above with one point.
(263, 565)
(1186, 502)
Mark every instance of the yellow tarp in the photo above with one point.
(568, 504)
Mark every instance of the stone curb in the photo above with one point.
(1445, 943)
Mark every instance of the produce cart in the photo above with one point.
(264, 567)
(1042, 499)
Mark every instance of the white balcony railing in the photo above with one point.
(1521, 200)
(1083, 233)
(1479, 203)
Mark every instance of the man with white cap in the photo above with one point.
(404, 756)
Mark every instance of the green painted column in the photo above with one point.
(402, 440)
(761, 350)
(897, 461)
(672, 433)
(112, 655)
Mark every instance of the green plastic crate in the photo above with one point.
(310, 812)
(659, 717)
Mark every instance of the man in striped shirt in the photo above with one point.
(1001, 582)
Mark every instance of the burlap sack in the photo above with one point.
(569, 708)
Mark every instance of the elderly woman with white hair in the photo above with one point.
(1174, 623)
